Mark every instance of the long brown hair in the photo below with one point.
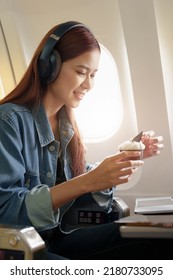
(30, 89)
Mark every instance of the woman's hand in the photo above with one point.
(152, 144)
(114, 170)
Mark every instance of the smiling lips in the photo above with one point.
(79, 95)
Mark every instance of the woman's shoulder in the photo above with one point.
(14, 113)
(12, 108)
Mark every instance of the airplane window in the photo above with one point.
(100, 112)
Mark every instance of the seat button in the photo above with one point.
(13, 240)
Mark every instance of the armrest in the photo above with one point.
(120, 207)
(20, 243)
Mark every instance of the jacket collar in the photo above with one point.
(44, 129)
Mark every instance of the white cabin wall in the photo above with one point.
(13, 41)
(141, 35)
(164, 21)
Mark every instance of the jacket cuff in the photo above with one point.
(39, 207)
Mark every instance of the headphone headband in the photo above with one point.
(49, 62)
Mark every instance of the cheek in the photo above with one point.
(68, 81)
(72, 83)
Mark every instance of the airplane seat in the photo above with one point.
(25, 243)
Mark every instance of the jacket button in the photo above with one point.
(51, 148)
(49, 174)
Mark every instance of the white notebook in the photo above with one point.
(154, 205)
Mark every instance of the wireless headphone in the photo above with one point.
(49, 61)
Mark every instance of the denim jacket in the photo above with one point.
(28, 167)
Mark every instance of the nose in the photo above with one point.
(87, 83)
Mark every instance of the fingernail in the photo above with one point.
(160, 138)
(140, 162)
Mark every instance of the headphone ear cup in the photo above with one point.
(55, 66)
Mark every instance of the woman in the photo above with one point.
(44, 176)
